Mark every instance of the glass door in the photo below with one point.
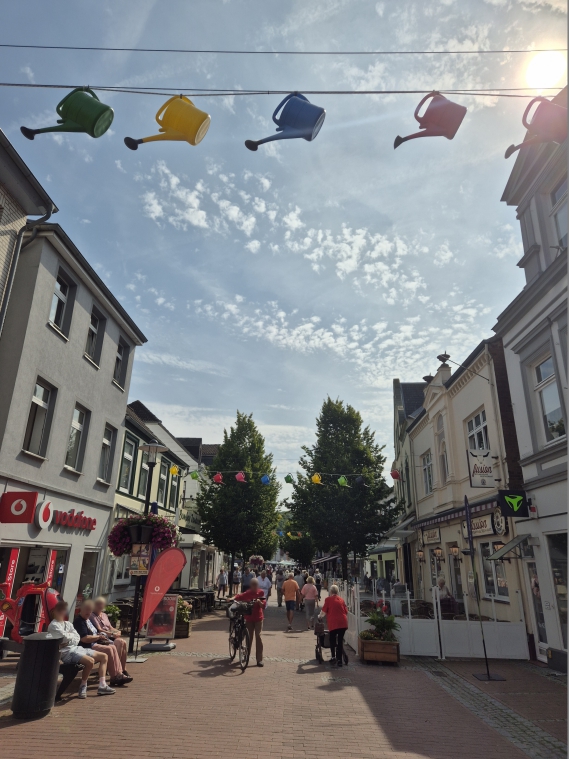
(537, 608)
(87, 577)
(558, 557)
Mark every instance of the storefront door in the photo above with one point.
(87, 577)
(537, 609)
(557, 544)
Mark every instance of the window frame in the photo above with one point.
(110, 447)
(68, 302)
(481, 428)
(82, 428)
(164, 502)
(48, 406)
(555, 206)
(427, 467)
(143, 468)
(119, 377)
(128, 438)
(538, 387)
(97, 343)
(492, 542)
(174, 486)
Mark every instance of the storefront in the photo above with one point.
(51, 539)
(443, 559)
(203, 563)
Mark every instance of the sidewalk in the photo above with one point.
(192, 704)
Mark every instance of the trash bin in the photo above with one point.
(36, 681)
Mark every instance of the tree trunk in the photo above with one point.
(344, 552)
(230, 574)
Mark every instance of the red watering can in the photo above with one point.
(240, 477)
(441, 119)
(218, 478)
(548, 124)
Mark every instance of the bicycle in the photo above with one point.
(239, 638)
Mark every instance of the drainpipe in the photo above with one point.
(18, 247)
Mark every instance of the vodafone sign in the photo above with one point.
(24, 508)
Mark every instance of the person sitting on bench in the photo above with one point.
(72, 653)
(93, 639)
(103, 624)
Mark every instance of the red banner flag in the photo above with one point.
(162, 574)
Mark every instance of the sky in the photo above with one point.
(267, 281)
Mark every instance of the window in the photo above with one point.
(143, 479)
(442, 449)
(127, 465)
(478, 432)
(59, 302)
(493, 572)
(428, 473)
(173, 497)
(106, 454)
(95, 335)
(550, 405)
(163, 481)
(37, 428)
(558, 558)
(74, 456)
(559, 213)
(121, 362)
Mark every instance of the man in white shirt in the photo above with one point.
(265, 585)
(299, 578)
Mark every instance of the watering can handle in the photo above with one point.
(77, 89)
(167, 103)
(423, 101)
(280, 105)
(528, 109)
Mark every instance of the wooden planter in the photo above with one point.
(183, 629)
(378, 650)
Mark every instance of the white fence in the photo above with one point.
(437, 636)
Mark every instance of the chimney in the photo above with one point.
(444, 371)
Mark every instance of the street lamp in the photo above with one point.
(438, 552)
(420, 555)
(455, 551)
(152, 448)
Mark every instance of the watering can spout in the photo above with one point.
(425, 133)
(66, 126)
(169, 135)
(289, 134)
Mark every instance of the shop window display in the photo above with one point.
(493, 572)
(87, 577)
(558, 558)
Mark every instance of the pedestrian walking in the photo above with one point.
(236, 580)
(221, 582)
(279, 579)
(291, 593)
(299, 578)
(318, 583)
(310, 596)
(266, 586)
(246, 579)
(254, 621)
(336, 613)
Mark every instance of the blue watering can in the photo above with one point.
(299, 118)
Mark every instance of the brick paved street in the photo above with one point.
(193, 704)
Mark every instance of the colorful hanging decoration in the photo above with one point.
(289, 479)
(174, 470)
(299, 118)
(548, 124)
(360, 482)
(80, 111)
(265, 479)
(240, 477)
(178, 119)
(343, 482)
(441, 119)
(218, 478)
(317, 479)
(395, 474)
(195, 475)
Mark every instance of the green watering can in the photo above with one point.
(80, 111)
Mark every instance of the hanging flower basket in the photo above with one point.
(160, 532)
(256, 560)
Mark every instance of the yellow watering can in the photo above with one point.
(178, 119)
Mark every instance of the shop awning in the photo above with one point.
(386, 547)
(400, 530)
(326, 558)
(498, 555)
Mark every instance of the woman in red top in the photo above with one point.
(336, 613)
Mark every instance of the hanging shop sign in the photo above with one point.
(492, 523)
(432, 536)
(23, 508)
(513, 503)
(140, 559)
(480, 468)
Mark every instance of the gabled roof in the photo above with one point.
(210, 449)
(412, 397)
(21, 183)
(138, 422)
(143, 412)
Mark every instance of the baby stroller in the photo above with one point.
(323, 641)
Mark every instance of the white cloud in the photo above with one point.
(152, 207)
(119, 166)
(253, 246)
(29, 74)
(168, 360)
(443, 255)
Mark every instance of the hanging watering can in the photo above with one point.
(218, 478)
(80, 111)
(299, 118)
(441, 119)
(178, 119)
(240, 477)
(317, 479)
(343, 482)
(265, 479)
(289, 479)
(195, 475)
(548, 124)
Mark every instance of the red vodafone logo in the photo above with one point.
(43, 515)
(76, 520)
(18, 507)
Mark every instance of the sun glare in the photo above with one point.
(546, 69)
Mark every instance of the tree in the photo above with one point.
(239, 517)
(300, 549)
(340, 518)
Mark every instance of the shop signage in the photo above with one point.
(140, 559)
(8, 584)
(162, 622)
(480, 468)
(50, 570)
(432, 536)
(487, 524)
(23, 508)
(513, 503)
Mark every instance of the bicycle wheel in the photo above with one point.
(232, 642)
(244, 648)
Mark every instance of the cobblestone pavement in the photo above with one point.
(193, 704)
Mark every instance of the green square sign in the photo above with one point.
(513, 503)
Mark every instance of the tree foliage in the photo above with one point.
(240, 517)
(300, 549)
(339, 518)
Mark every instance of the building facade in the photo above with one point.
(534, 332)
(66, 355)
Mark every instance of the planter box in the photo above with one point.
(378, 650)
(182, 629)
